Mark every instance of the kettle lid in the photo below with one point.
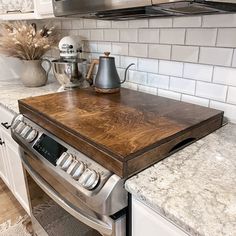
(107, 55)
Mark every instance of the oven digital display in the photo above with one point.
(49, 148)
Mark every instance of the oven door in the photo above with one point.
(54, 214)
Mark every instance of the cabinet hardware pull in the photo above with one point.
(6, 125)
(1, 142)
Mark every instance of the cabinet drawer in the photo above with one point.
(6, 119)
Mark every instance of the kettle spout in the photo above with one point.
(126, 70)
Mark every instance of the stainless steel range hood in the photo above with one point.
(136, 9)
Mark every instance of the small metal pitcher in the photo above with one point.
(107, 79)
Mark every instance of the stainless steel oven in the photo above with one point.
(69, 193)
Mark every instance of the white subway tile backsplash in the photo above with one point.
(104, 47)
(120, 48)
(169, 94)
(66, 24)
(126, 61)
(224, 75)
(90, 46)
(231, 98)
(128, 35)
(211, 91)
(103, 24)
(138, 50)
(171, 68)
(90, 24)
(96, 34)
(216, 56)
(138, 77)
(198, 72)
(159, 51)
(234, 59)
(120, 24)
(129, 85)
(160, 22)
(84, 34)
(158, 81)
(147, 89)
(111, 35)
(189, 21)
(195, 100)
(172, 36)
(226, 37)
(185, 53)
(182, 85)
(138, 23)
(221, 20)
(201, 37)
(77, 24)
(148, 65)
(148, 36)
(230, 110)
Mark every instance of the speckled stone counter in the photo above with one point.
(196, 187)
(12, 90)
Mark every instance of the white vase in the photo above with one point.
(33, 74)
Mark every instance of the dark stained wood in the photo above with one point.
(120, 130)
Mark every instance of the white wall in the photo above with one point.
(191, 59)
(10, 68)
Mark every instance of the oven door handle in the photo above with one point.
(92, 222)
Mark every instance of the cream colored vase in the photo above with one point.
(33, 74)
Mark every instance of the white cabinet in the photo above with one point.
(25, 9)
(145, 221)
(11, 170)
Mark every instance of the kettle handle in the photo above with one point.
(126, 70)
(89, 74)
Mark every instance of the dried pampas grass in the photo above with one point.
(22, 40)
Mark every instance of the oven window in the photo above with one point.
(49, 219)
(49, 148)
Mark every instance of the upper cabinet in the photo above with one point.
(25, 9)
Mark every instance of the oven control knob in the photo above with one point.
(62, 158)
(20, 127)
(68, 161)
(24, 133)
(17, 121)
(89, 179)
(77, 170)
(31, 136)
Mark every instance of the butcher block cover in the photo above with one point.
(125, 132)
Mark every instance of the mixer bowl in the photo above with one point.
(70, 74)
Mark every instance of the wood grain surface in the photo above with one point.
(115, 128)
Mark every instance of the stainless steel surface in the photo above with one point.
(107, 76)
(103, 227)
(70, 74)
(87, 191)
(133, 9)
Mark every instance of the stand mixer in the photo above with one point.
(69, 70)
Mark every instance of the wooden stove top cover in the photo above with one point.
(124, 124)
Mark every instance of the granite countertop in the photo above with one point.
(196, 187)
(12, 90)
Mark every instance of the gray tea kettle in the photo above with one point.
(107, 79)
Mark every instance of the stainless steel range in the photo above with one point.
(69, 193)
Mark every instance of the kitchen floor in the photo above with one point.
(10, 209)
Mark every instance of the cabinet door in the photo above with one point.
(3, 164)
(44, 7)
(147, 222)
(16, 172)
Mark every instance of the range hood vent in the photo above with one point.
(154, 8)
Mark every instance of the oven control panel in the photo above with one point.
(86, 172)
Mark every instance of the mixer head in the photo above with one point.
(69, 47)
